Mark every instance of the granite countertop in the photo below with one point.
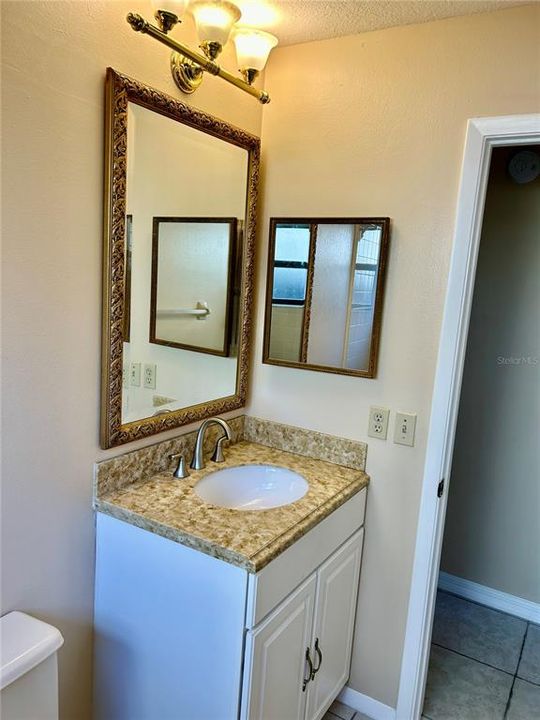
(250, 539)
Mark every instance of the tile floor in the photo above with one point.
(339, 711)
(484, 664)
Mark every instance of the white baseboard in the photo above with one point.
(492, 598)
(367, 705)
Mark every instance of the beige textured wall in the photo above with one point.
(492, 532)
(374, 125)
(54, 58)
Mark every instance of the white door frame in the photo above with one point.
(483, 134)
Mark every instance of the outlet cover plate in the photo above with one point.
(378, 422)
(149, 376)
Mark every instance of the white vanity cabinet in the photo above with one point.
(297, 660)
(181, 635)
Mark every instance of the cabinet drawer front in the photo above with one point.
(267, 588)
(275, 660)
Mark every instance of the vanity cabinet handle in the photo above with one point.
(319, 653)
(310, 673)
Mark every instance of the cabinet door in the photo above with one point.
(275, 660)
(333, 627)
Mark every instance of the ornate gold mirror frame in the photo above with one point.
(120, 90)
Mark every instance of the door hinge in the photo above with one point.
(440, 488)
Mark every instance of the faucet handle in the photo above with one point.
(218, 452)
(181, 471)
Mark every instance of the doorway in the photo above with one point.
(483, 136)
(485, 651)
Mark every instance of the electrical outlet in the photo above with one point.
(150, 376)
(135, 374)
(404, 429)
(378, 422)
(125, 376)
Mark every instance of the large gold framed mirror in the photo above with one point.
(179, 226)
(324, 293)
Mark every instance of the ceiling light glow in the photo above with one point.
(259, 14)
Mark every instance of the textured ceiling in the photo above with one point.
(298, 21)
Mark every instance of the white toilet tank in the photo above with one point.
(29, 673)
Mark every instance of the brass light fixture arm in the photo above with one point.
(139, 24)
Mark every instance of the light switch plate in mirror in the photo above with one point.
(168, 162)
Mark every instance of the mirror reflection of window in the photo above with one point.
(325, 293)
(366, 250)
(289, 291)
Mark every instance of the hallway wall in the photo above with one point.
(492, 533)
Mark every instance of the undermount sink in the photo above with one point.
(252, 487)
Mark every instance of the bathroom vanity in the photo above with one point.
(206, 612)
(213, 600)
(207, 609)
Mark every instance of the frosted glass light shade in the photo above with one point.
(214, 20)
(176, 7)
(253, 47)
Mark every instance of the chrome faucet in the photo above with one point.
(197, 462)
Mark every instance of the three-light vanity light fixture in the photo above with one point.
(216, 21)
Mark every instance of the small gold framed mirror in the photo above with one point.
(179, 235)
(324, 293)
